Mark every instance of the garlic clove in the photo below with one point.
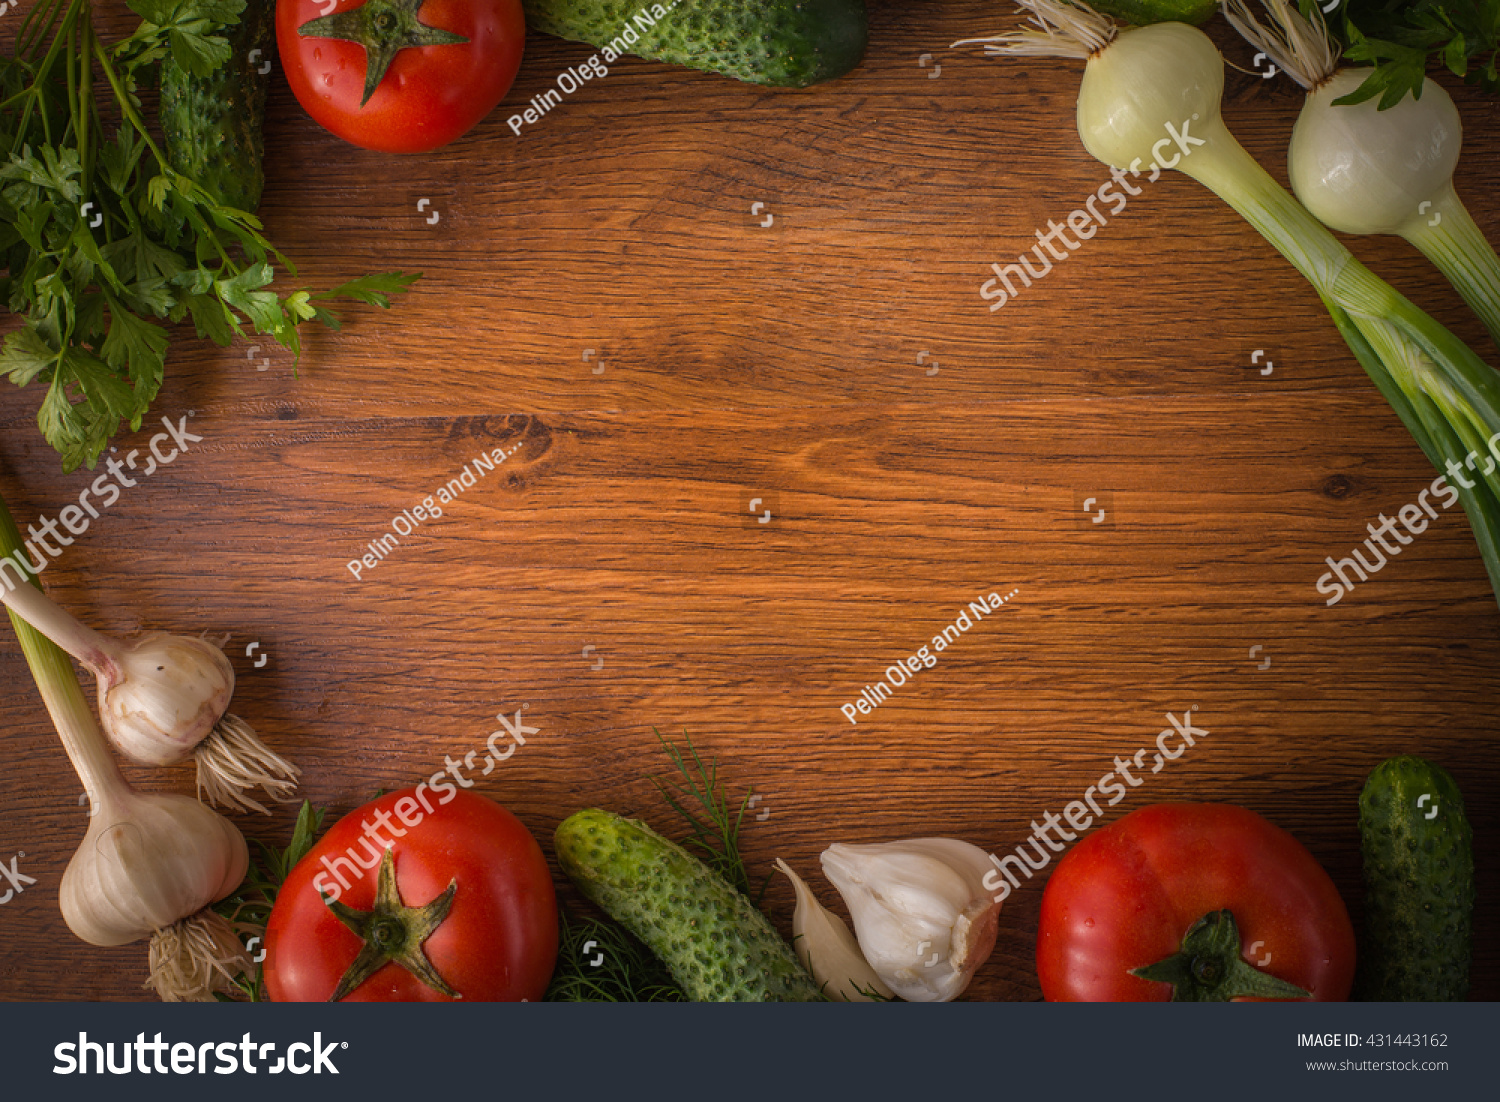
(169, 692)
(924, 920)
(828, 950)
(146, 862)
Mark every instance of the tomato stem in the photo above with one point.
(392, 931)
(384, 28)
(1209, 968)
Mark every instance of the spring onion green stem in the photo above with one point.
(1443, 393)
(58, 684)
(1375, 168)
(1448, 236)
(1152, 91)
(100, 654)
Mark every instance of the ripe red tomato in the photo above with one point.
(1124, 898)
(493, 939)
(429, 95)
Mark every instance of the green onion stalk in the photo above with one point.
(1367, 168)
(1149, 91)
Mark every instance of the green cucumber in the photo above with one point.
(212, 124)
(1419, 885)
(717, 945)
(786, 43)
(1142, 12)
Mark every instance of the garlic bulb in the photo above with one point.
(164, 696)
(828, 950)
(146, 862)
(162, 700)
(924, 919)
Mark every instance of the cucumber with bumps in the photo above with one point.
(1419, 884)
(786, 43)
(212, 124)
(1142, 12)
(718, 946)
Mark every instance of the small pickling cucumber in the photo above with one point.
(1142, 12)
(212, 124)
(786, 43)
(1419, 885)
(718, 946)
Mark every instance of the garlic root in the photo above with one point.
(232, 760)
(196, 956)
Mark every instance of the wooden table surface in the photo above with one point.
(915, 450)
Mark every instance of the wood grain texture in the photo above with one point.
(782, 363)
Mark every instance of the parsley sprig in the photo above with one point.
(1398, 37)
(105, 243)
(249, 908)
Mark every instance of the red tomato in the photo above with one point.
(496, 939)
(429, 95)
(1124, 898)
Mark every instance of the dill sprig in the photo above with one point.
(628, 971)
(599, 961)
(715, 834)
(249, 908)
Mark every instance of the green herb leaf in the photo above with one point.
(304, 834)
(373, 289)
(101, 238)
(714, 823)
(1456, 56)
(242, 292)
(250, 906)
(197, 53)
(615, 967)
(189, 25)
(26, 356)
(1398, 39)
(136, 347)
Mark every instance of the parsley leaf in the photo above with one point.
(26, 355)
(373, 289)
(250, 906)
(105, 244)
(1399, 38)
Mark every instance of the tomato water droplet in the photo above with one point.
(328, 79)
(318, 53)
(1089, 922)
